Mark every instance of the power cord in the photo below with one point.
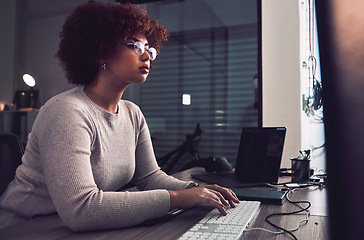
(290, 213)
(281, 229)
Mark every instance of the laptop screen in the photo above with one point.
(260, 154)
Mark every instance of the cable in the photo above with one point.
(281, 229)
(307, 152)
(278, 227)
(298, 204)
(313, 101)
(314, 91)
(315, 148)
(289, 213)
(280, 232)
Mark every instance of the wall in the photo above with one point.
(7, 43)
(281, 72)
(41, 23)
(285, 80)
(29, 45)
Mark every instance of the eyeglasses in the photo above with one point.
(139, 49)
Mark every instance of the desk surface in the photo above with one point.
(51, 227)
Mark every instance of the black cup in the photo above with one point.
(300, 169)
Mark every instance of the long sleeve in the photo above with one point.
(80, 202)
(148, 174)
(78, 156)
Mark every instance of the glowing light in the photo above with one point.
(29, 80)
(186, 99)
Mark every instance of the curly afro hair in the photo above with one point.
(93, 31)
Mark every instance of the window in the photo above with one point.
(210, 61)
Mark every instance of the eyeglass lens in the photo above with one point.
(140, 49)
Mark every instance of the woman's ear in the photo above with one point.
(102, 63)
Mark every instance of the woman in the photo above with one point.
(86, 143)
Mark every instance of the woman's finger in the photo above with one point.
(216, 202)
(227, 193)
(220, 196)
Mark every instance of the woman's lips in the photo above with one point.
(144, 69)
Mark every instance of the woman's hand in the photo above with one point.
(213, 195)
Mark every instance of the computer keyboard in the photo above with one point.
(216, 226)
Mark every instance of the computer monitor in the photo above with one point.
(341, 44)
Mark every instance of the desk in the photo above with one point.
(51, 227)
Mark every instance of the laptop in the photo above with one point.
(258, 162)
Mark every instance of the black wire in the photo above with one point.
(278, 227)
(315, 148)
(289, 213)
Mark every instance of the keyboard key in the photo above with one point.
(216, 226)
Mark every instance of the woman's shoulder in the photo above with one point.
(66, 104)
(129, 106)
(132, 110)
(64, 98)
(70, 99)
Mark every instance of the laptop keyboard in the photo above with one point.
(232, 226)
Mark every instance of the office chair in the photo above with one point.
(11, 152)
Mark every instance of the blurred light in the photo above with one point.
(221, 124)
(29, 80)
(186, 99)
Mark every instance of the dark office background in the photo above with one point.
(30, 30)
(213, 59)
(211, 55)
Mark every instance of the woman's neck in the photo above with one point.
(105, 96)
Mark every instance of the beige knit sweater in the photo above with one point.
(77, 157)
